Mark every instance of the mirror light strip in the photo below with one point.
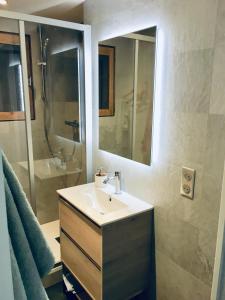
(135, 97)
(140, 37)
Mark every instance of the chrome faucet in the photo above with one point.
(61, 157)
(117, 178)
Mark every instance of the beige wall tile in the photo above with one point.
(175, 283)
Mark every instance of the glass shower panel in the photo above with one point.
(58, 146)
(13, 140)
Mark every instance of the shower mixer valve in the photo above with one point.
(41, 63)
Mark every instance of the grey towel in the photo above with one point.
(30, 255)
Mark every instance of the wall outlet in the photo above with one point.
(187, 182)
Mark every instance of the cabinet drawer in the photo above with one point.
(86, 234)
(81, 267)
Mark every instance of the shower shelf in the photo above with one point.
(46, 169)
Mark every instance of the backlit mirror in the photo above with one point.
(126, 92)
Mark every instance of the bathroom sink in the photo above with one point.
(102, 202)
(102, 205)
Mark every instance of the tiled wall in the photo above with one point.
(189, 129)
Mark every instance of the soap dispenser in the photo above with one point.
(100, 177)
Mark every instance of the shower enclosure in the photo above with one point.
(45, 100)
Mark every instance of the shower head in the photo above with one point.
(46, 42)
(42, 39)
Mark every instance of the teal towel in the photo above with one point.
(29, 248)
(18, 286)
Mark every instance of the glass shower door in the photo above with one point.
(13, 139)
(42, 108)
(57, 57)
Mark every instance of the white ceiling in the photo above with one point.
(50, 8)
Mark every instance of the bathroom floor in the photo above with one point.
(51, 233)
(55, 292)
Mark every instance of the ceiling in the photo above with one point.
(70, 10)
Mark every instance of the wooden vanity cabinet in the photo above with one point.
(111, 262)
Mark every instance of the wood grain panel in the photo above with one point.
(86, 234)
(126, 257)
(15, 115)
(9, 38)
(81, 267)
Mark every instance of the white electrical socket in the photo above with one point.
(187, 182)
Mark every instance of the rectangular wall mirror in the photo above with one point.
(126, 94)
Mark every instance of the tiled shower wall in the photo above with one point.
(189, 130)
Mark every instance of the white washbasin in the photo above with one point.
(102, 201)
(101, 204)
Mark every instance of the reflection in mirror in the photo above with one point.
(64, 66)
(106, 80)
(126, 92)
(62, 54)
